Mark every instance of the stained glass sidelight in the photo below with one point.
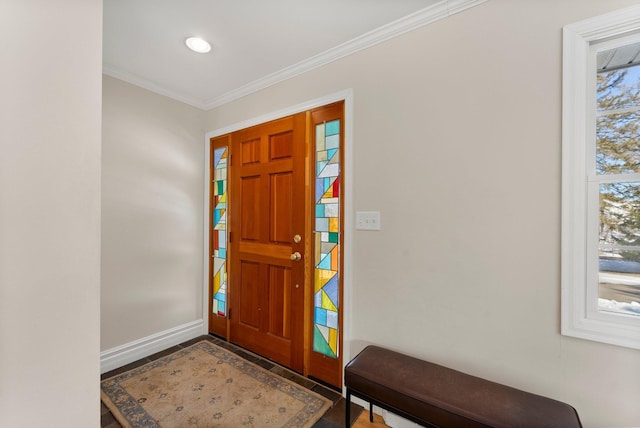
(327, 239)
(220, 231)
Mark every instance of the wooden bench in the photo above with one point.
(435, 396)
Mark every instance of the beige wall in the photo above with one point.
(457, 141)
(50, 212)
(152, 221)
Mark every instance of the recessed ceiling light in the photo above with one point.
(197, 44)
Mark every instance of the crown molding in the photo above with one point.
(396, 28)
(150, 86)
(433, 13)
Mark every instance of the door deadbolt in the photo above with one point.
(297, 239)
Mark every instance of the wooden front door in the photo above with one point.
(267, 241)
(276, 205)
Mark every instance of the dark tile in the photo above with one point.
(356, 411)
(164, 353)
(254, 358)
(125, 368)
(335, 416)
(215, 338)
(265, 364)
(337, 412)
(107, 420)
(326, 385)
(195, 340)
(228, 346)
(245, 355)
(326, 423)
(327, 393)
(294, 377)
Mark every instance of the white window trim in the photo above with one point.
(580, 315)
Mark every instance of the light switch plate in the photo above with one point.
(368, 220)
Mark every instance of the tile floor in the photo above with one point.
(333, 418)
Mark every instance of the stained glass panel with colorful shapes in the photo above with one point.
(327, 239)
(219, 204)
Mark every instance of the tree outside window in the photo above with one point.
(617, 156)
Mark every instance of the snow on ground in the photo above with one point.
(632, 308)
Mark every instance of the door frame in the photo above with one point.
(347, 251)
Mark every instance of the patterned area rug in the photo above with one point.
(207, 386)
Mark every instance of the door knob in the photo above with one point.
(296, 257)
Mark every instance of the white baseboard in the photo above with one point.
(133, 351)
(396, 421)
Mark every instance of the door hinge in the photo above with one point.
(229, 313)
(230, 237)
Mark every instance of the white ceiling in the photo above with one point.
(255, 43)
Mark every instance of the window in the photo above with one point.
(601, 179)
(219, 230)
(617, 168)
(327, 241)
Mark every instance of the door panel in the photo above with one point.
(250, 152)
(280, 301)
(250, 191)
(280, 220)
(281, 146)
(268, 202)
(249, 288)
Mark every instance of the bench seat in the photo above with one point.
(436, 396)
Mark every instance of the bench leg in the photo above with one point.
(347, 411)
(371, 412)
